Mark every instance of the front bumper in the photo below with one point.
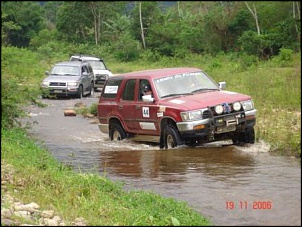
(59, 91)
(217, 125)
(104, 128)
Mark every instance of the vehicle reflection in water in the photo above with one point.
(223, 164)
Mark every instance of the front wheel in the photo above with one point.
(116, 132)
(171, 137)
(80, 92)
(248, 136)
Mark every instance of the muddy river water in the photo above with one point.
(231, 185)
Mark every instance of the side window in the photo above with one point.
(128, 93)
(84, 69)
(143, 85)
(90, 69)
(111, 88)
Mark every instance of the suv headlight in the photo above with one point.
(44, 84)
(191, 115)
(73, 84)
(248, 105)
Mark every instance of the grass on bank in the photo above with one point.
(39, 178)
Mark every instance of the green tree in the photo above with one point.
(26, 15)
(117, 26)
(73, 22)
(50, 13)
(6, 28)
(83, 22)
(149, 12)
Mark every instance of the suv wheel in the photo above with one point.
(248, 136)
(171, 137)
(117, 132)
(91, 90)
(80, 92)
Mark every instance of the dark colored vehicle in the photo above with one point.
(69, 78)
(186, 107)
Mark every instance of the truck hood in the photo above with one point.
(205, 99)
(102, 72)
(61, 78)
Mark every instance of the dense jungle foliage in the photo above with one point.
(164, 28)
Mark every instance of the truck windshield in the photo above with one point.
(186, 83)
(65, 70)
(97, 65)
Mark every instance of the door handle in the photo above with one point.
(120, 107)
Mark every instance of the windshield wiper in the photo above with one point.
(68, 74)
(170, 95)
(204, 89)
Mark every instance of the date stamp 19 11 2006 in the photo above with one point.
(245, 205)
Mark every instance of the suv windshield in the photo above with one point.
(65, 70)
(190, 83)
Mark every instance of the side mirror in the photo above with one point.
(46, 73)
(222, 85)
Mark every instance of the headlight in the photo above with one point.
(45, 84)
(219, 109)
(73, 84)
(191, 116)
(236, 106)
(248, 105)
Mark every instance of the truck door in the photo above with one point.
(145, 112)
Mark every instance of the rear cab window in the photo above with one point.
(111, 88)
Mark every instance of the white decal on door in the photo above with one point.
(146, 112)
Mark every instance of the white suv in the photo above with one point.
(101, 72)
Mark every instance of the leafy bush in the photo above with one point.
(94, 109)
(19, 86)
(284, 58)
(126, 49)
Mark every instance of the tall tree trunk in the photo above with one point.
(141, 23)
(298, 16)
(96, 21)
(254, 13)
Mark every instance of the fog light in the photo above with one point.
(236, 106)
(219, 109)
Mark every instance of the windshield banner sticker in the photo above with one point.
(111, 89)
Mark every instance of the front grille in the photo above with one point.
(101, 76)
(206, 114)
(57, 84)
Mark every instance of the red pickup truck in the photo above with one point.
(186, 107)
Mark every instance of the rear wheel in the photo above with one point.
(116, 132)
(91, 93)
(171, 137)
